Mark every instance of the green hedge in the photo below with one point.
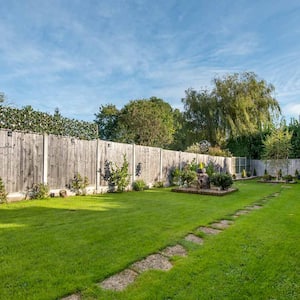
(29, 120)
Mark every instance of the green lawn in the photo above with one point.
(53, 248)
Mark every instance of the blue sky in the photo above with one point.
(77, 55)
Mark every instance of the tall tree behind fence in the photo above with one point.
(26, 159)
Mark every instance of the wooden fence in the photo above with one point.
(27, 158)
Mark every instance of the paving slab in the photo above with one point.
(119, 281)
(176, 250)
(72, 297)
(223, 224)
(209, 230)
(194, 239)
(152, 262)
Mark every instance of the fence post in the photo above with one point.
(133, 164)
(97, 166)
(45, 158)
(160, 164)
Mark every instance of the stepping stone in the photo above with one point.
(176, 250)
(72, 297)
(209, 230)
(254, 207)
(118, 282)
(152, 262)
(194, 239)
(223, 224)
(241, 212)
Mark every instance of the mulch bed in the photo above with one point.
(212, 192)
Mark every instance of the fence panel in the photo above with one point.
(21, 160)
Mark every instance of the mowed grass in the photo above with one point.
(53, 248)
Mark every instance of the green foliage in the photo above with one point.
(294, 128)
(29, 120)
(175, 176)
(288, 178)
(210, 168)
(3, 194)
(222, 180)
(213, 151)
(239, 104)
(38, 191)
(278, 147)
(118, 176)
(2, 97)
(79, 184)
(147, 122)
(139, 185)
(244, 174)
(188, 176)
(159, 184)
(249, 145)
(107, 120)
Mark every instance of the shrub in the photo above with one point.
(79, 184)
(267, 177)
(244, 174)
(210, 169)
(175, 177)
(118, 177)
(254, 172)
(3, 194)
(159, 184)
(139, 185)
(188, 176)
(288, 178)
(222, 180)
(38, 191)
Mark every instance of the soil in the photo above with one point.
(213, 192)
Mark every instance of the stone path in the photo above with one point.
(161, 261)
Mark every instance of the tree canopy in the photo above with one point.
(148, 122)
(238, 104)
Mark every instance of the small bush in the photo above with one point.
(38, 191)
(267, 177)
(288, 178)
(244, 174)
(139, 185)
(222, 180)
(3, 194)
(79, 184)
(159, 184)
(188, 176)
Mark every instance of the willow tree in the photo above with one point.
(238, 104)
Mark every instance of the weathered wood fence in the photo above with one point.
(27, 158)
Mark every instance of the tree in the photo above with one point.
(2, 97)
(277, 148)
(239, 104)
(147, 122)
(107, 120)
(201, 116)
(294, 127)
(245, 104)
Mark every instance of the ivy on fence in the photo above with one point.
(29, 120)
